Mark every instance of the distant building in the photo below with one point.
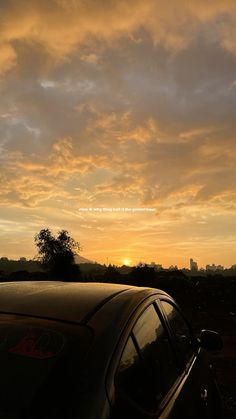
(22, 259)
(193, 265)
(214, 268)
(156, 266)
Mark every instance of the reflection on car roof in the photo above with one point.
(74, 302)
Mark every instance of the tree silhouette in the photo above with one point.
(57, 254)
(111, 274)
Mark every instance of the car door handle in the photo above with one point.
(204, 395)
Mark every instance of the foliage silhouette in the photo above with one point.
(111, 274)
(57, 254)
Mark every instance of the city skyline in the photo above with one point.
(119, 104)
(192, 265)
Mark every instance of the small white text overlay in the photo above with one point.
(116, 209)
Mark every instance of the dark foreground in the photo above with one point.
(208, 302)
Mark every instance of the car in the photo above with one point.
(101, 351)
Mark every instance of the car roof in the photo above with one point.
(65, 301)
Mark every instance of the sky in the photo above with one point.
(118, 124)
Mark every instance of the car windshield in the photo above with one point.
(37, 359)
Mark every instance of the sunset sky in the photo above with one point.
(119, 104)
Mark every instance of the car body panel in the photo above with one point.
(72, 302)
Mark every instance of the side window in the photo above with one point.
(129, 378)
(156, 352)
(148, 367)
(182, 332)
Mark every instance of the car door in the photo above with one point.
(148, 373)
(194, 397)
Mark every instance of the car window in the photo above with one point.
(148, 368)
(183, 334)
(130, 376)
(156, 352)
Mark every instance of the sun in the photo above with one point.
(126, 261)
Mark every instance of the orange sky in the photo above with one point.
(119, 104)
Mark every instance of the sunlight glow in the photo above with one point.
(126, 261)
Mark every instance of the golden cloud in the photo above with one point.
(60, 27)
(7, 57)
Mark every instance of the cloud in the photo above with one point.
(7, 57)
(114, 104)
(60, 27)
(30, 181)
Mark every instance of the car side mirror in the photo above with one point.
(210, 340)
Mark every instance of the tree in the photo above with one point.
(57, 254)
(111, 274)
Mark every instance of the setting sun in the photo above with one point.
(126, 261)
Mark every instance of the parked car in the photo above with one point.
(101, 351)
